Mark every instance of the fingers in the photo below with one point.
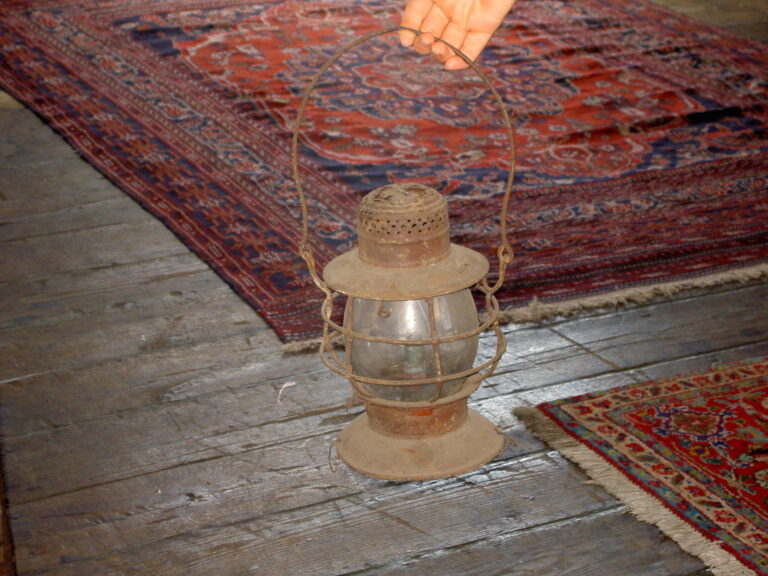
(453, 35)
(423, 43)
(455, 63)
(435, 21)
(415, 13)
(464, 24)
(426, 16)
(472, 45)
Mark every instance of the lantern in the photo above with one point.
(411, 328)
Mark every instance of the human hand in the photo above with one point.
(466, 24)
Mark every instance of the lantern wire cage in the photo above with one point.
(333, 332)
(342, 365)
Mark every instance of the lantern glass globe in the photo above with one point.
(412, 320)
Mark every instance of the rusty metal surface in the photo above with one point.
(419, 421)
(474, 443)
(404, 251)
(348, 274)
(402, 226)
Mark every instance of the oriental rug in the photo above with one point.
(641, 135)
(688, 454)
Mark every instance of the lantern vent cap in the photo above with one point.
(404, 249)
(400, 213)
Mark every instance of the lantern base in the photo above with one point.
(474, 443)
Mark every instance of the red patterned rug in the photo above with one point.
(642, 137)
(689, 454)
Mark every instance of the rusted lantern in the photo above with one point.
(411, 328)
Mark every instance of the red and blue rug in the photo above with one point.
(642, 164)
(688, 454)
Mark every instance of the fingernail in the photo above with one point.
(455, 64)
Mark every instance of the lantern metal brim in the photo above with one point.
(349, 274)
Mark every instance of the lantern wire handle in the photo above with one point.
(504, 251)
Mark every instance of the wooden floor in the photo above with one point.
(152, 425)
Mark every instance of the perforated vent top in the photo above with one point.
(403, 212)
(403, 225)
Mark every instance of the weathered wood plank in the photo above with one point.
(309, 450)
(7, 102)
(41, 257)
(83, 217)
(42, 175)
(609, 543)
(686, 327)
(167, 295)
(325, 538)
(23, 353)
(46, 301)
(29, 147)
(119, 385)
(165, 436)
(724, 13)
(18, 208)
(745, 18)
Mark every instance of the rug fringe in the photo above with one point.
(537, 311)
(641, 504)
(312, 345)
(302, 346)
